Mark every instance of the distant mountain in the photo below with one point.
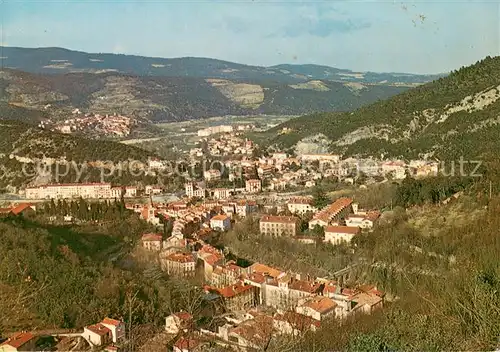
(58, 60)
(456, 116)
(163, 99)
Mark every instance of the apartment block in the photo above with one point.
(279, 225)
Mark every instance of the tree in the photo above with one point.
(368, 343)
(320, 199)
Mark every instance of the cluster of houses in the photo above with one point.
(200, 189)
(223, 129)
(107, 335)
(104, 125)
(259, 302)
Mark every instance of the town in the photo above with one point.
(258, 301)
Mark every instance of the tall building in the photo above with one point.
(195, 189)
(69, 190)
(253, 186)
(279, 225)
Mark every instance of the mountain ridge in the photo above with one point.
(49, 60)
(166, 99)
(452, 117)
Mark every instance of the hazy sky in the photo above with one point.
(359, 35)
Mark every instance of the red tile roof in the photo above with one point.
(320, 304)
(110, 321)
(220, 217)
(20, 208)
(18, 340)
(187, 343)
(279, 219)
(342, 229)
(304, 286)
(181, 257)
(98, 329)
(152, 237)
(257, 330)
(298, 321)
(372, 215)
(233, 290)
(264, 270)
(184, 316)
(333, 209)
(257, 278)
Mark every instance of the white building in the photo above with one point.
(179, 264)
(98, 334)
(212, 175)
(318, 307)
(363, 221)
(117, 328)
(301, 205)
(221, 193)
(253, 186)
(156, 164)
(279, 225)
(152, 190)
(340, 234)
(69, 190)
(152, 241)
(220, 222)
(195, 189)
(130, 192)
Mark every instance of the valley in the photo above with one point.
(201, 205)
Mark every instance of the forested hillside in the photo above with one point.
(438, 265)
(28, 154)
(166, 99)
(448, 118)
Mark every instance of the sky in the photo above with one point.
(380, 36)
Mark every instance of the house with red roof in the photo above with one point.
(220, 222)
(279, 225)
(335, 212)
(23, 208)
(22, 341)
(98, 334)
(152, 241)
(340, 234)
(176, 322)
(117, 328)
(188, 344)
(318, 307)
(179, 264)
(236, 297)
(252, 334)
(294, 323)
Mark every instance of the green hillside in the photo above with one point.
(168, 99)
(25, 140)
(23, 147)
(445, 119)
(62, 276)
